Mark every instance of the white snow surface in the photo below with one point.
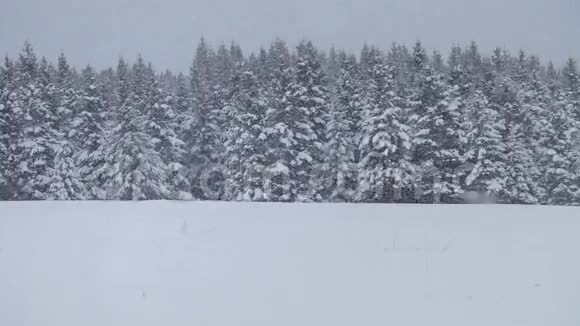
(210, 263)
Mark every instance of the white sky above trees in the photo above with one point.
(166, 31)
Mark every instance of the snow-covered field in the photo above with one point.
(180, 263)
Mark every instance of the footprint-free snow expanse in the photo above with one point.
(226, 264)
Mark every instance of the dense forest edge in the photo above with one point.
(403, 125)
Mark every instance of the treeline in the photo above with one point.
(403, 125)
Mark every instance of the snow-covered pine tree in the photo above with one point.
(561, 155)
(385, 170)
(571, 84)
(342, 132)
(438, 63)
(185, 124)
(278, 184)
(332, 66)
(236, 57)
(258, 64)
(307, 105)
(123, 82)
(58, 93)
(65, 182)
(162, 127)
(473, 64)
(438, 139)
(418, 67)
(535, 98)
(398, 58)
(205, 151)
(296, 127)
(88, 131)
(521, 182)
(106, 83)
(245, 146)
(225, 61)
(167, 81)
(455, 60)
(498, 61)
(223, 68)
(134, 169)
(31, 143)
(366, 58)
(65, 94)
(571, 79)
(278, 71)
(458, 74)
(487, 150)
(182, 99)
(551, 78)
(7, 75)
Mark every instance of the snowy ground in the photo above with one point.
(165, 263)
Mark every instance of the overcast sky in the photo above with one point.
(166, 31)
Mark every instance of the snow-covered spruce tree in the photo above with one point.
(65, 93)
(398, 58)
(224, 63)
(296, 127)
(162, 127)
(278, 185)
(12, 98)
(455, 62)
(278, 72)
(245, 150)
(521, 179)
(551, 76)
(121, 78)
(259, 64)
(236, 57)
(331, 66)
(571, 80)
(106, 83)
(487, 150)
(88, 131)
(418, 68)
(458, 75)
(223, 68)
(473, 65)
(306, 113)
(385, 169)
(571, 83)
(123, 82)
(134, 169)
(438, 63)
(342, 133)
(7, 77)
(204, 148)
(438, 140)
(167, 81)
(500, 60)
(184, 123)
(182, 99)
(561, 156)
(535, 98)
(365, 61)
(521, 186)
(65, 182)
(31, 143)
(58, 93)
